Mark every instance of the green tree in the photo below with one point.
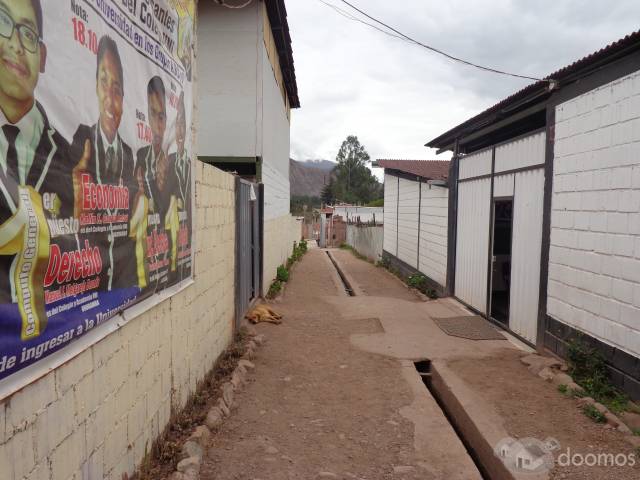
(352, 180)
(328, 196)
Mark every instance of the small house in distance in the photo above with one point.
(416, 200)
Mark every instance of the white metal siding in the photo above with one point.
(390, 214)
(409, 192)
(434, 211)
(475, 165)
(474, 199)
(524, 152)
(526, 251)
(503, 185)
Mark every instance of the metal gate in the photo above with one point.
(249, 211)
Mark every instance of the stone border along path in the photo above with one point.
(196, 445)
(554, 371)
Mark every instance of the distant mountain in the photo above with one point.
(310, 177)
(321, 164)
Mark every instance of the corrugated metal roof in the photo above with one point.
(279, 25)
(611, 52)
(430, 169)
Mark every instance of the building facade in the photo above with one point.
(416, 200)
(247, 88)
(547, 210)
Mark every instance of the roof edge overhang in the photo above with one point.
(535, 97)
(277, 13)
(414, 176)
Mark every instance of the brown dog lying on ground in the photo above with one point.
(262, 313)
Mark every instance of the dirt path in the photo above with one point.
(319, 407)
(374, 282)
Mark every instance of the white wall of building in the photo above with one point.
(408, 221)
(434, 216)
(97, 415)
(228, 88)
(243, 113)
(416, 214)
(594, 265)
(391, 214)
(472, 246)
(275, 144)
(523, 152)
(526, 242)
(476, 164)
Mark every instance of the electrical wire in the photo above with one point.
(407, 38)
(349, 16)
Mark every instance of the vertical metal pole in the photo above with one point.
(546, 227)
(452, 221)
(491, 234)
(398, 219)
(419, 222)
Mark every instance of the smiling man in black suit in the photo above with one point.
(35, 184)
(109, 162)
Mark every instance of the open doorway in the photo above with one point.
(501, 259)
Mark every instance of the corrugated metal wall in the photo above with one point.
(434, 211)
(472, 247)
(409, 194)
(523, 152)
(526, 251)
(503, 185)
(476, 164)
(391, 214)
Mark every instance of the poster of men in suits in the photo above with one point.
(95, 165)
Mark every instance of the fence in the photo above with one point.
(367, 240)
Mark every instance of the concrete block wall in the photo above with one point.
(594, 268)
(279, 235)
(96, 416)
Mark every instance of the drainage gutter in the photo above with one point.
(350, 286)
(475, 422)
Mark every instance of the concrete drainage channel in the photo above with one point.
(478, 447)
(347, 285)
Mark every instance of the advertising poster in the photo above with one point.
(95, 165)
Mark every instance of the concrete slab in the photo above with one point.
(438, 450)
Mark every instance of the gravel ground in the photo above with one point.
(318, 407)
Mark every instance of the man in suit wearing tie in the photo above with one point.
(35, 185)
(110, 162)
(180, 184)
(153, 175)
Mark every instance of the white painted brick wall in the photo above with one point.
(95, 416)
(594, 270)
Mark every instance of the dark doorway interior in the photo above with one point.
(501, 260)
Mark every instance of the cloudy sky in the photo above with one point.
(395, 96)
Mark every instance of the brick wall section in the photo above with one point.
(594, 267)
(95, 416)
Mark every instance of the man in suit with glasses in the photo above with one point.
(35, 185)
